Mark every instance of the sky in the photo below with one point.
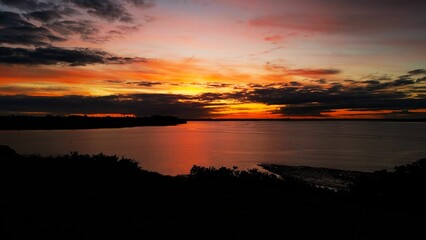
(214, 58)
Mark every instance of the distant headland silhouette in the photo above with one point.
(83, 122)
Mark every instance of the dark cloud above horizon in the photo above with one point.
(217, 85)
(53, 56)
(138, 104)
(145, 83)
(417, 72)
(293, 99)
(365, 95)
(31, 90)
(372, 105)
(302, 71)
(316, 100)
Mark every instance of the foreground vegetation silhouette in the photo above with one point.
(77, 196)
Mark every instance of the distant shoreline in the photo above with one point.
(87, 122)
(303, 120)
(83, 122)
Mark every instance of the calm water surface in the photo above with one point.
(174, 150)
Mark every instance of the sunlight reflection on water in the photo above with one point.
(174, 150)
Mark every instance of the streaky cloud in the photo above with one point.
(313, 72)
(44, 15)
(54, 56)
(417, 72)
(11, 19)
(111, 10)
(27, 4)
(55, 16)
(106, 9)
(145, 83)
(87, 29)
(15, 30)
(302, 71)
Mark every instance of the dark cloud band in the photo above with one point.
(138, 104)
(17, 31)
(53, 56)
(111, 10)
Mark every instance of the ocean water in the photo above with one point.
(173, 150)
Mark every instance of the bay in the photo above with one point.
(173, 150)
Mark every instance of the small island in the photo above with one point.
(83, 122)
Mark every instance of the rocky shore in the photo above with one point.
(326, 178)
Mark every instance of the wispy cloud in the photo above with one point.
(273, 38)
(343, 17)
(301, 71)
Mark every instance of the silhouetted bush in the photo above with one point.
(78, 196)
(405, 187)
(228, 175)
(7, 152)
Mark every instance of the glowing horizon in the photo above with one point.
(214, 59)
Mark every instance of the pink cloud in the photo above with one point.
(305, 72)
(274, 38)
(293, 22)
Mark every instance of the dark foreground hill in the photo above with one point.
(103, 197)
(83, 122)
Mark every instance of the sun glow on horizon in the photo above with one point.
(208, 59)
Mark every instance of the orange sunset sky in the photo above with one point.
(214, 58)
